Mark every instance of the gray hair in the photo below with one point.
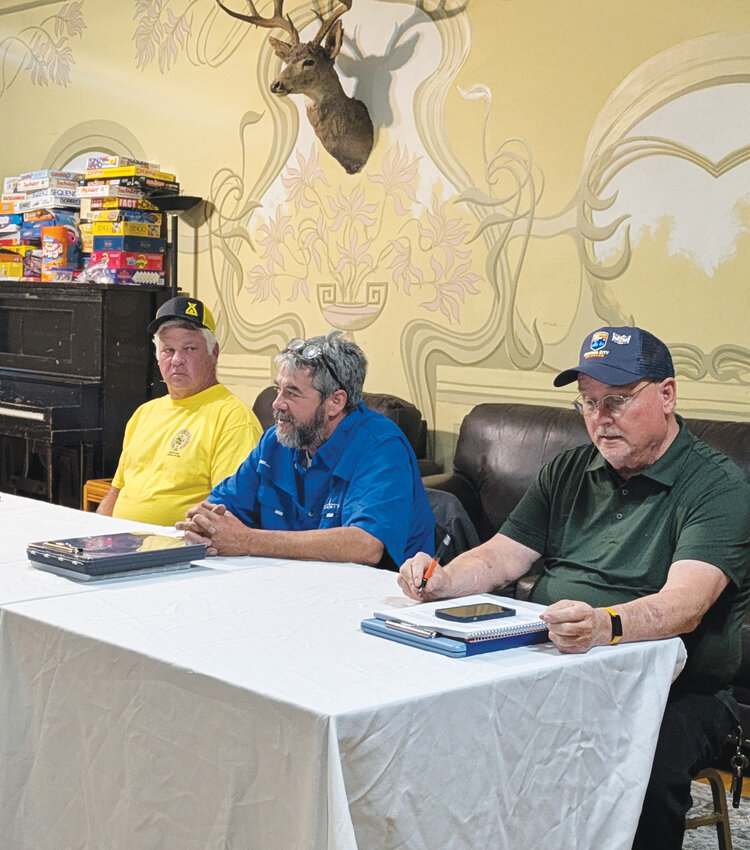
(338, 356)
(208, 335)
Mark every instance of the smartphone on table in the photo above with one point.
(473, 613)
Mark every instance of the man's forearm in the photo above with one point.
(493, 564)
(225, 534)
(107, 504)
(325, 544)
(666, 614)
(655, 617)
(691, 588)
(474, 571)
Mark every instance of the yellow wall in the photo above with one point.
(540, 168)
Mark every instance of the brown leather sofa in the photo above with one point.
(403, 413)
(502, 447)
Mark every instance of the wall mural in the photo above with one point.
(434, 247)
(311, 237)
(412, 222)
(43, 50)
(353, 250)
(344, 247)
(688, 140)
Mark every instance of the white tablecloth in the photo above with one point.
(244, 708)
(23, 521)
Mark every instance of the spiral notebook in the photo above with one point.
(417, 625)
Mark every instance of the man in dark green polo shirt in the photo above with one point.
(645, 534)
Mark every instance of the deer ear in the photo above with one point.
(280, 48)
(333, 40)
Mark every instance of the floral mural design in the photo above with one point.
(160, 32)
(368, 232)
(43, 49)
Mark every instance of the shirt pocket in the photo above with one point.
(276, 511)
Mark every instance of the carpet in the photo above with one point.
(705, 837)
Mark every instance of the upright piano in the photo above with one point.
(75, 362)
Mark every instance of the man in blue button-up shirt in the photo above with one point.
(332, 481)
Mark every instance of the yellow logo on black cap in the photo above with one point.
(192, 309)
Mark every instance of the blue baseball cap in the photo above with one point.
(618, 356)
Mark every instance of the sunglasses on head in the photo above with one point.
(313, 352)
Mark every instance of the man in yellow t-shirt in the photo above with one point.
(178, 447)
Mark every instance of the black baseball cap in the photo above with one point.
(618, 356)
(188, 309)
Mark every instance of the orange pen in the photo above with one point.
(444, 543)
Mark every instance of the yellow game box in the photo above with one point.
(12, 268)
(126, 228)
(129, 171)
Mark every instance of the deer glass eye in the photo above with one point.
(308, 63)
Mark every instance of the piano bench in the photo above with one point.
(94, 490)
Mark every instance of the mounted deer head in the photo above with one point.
(341, 123)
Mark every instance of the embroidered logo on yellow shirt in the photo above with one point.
(180, 440)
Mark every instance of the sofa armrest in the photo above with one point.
(429, 469)
(525, 585)
(436, 480)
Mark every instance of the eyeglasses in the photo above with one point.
(612, 404)
(312, 351)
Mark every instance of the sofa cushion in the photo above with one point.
(500, 450)
(729, 438)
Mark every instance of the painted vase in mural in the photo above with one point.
(351, 315)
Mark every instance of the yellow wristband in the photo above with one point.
(616, 626)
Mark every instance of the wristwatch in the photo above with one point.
(616, 626)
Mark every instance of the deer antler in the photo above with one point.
(342, 123)
(278, 19)
(330, 21)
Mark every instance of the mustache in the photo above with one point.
(607, 432)
(279, 416)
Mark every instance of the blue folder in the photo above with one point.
(445, 645)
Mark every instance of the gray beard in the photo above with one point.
(308, 435)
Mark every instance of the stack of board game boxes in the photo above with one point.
(100, 225)
(39, 225)
(123, 230)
